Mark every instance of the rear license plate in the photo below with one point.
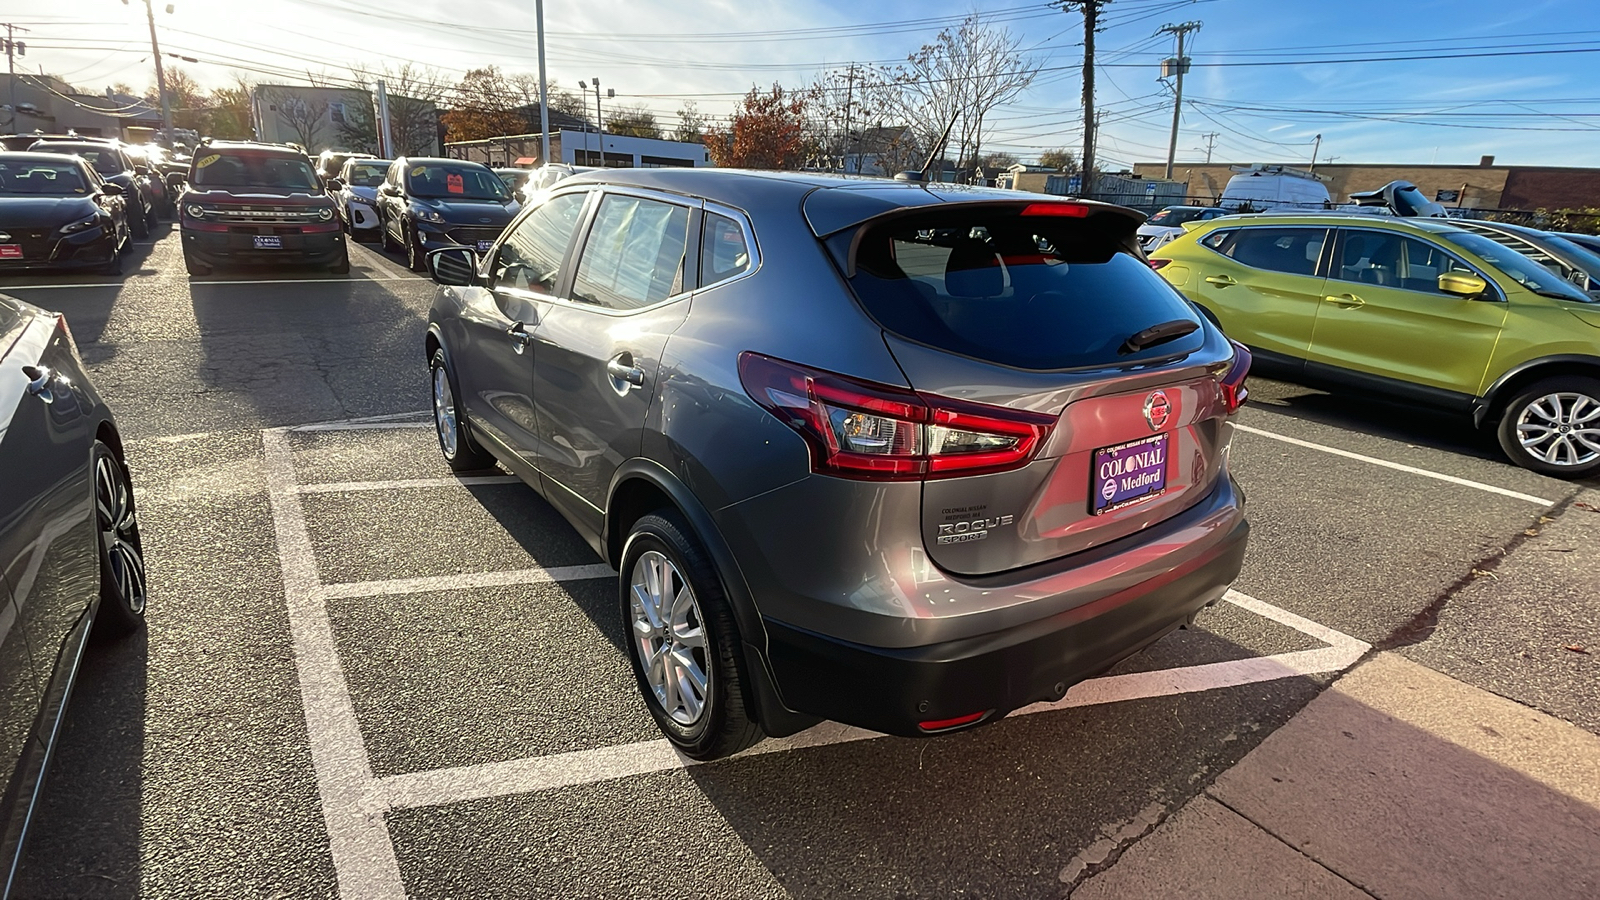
(10, 251)
(1129, 473)
(268, 242)
(483, 246)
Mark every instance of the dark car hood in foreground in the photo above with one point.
(36, 212)
(470, 212)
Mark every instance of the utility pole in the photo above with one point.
(849, 99)
(1176, 67)
(14, 49)
(544, 96)
(1211, 141)
(1091, 20)
(1316, 144)
(385, 132)
(161, 77)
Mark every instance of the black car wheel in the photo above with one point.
(138, 221)
(122, 574)
(342, 267)
(1553, 427)
(416, 259)
(383, 235)
(113, 265)
(152, 217)
(682, 640)
(461, 452)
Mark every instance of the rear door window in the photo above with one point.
(1292, 251)
(635, 253)
(1031, 292)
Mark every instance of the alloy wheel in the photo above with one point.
(669, 637)
(444, 410)
(1561, 429)
(119, 532)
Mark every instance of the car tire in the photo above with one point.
(123, 587)
(383, 236)
(195, 268)
(113, 266)
(152, 218)
(682, 640)
(461, 452)
(342, 267)
(139, 222)
(416, 259)
(1538, 415)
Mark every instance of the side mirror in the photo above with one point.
(141, 171)
(111, 188)
(455, 266)
(335, 185)
(177, 179)
(1462, 284)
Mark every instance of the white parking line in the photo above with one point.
(1399, 467)
(354, 802)
(343, 487)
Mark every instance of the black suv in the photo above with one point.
(258, 203)
(139, 189)
(425, 204)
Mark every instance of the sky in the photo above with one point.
(1516, 80)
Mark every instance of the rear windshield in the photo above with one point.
(1176, 215)
(249, 170)
(1023, 291)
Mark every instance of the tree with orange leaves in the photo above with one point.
(767, 132)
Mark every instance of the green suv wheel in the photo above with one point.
(1553, 427)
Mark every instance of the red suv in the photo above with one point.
(258, 203)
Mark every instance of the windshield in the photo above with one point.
(63, 179)
(105, 160)
(1581, 256)
(1175, 215)
(515, 178)
(367, 174)
(1028, 292)
(245, 170)
(454, 182)
(1521, 269)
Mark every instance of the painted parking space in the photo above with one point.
(364, 775)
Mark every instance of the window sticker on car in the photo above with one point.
(454, 184)
(419, 170)
(204, 161)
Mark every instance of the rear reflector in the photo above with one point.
(1234, 391)
(947, 724)
(1071, 210)
(860, 429)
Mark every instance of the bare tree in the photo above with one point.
(956, 81)
(635, 120)
(302, 116)
(691, 124)
(414, 94)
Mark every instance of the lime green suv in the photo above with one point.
(1416, 309)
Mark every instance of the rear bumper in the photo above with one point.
(318, 248)
(892, 689)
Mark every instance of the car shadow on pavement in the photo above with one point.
(85, 837)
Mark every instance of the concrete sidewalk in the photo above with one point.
(1402, 782)
(1397, 782)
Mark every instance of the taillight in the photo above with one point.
(66, 331)
(1070, 210)
(1234, 392)
(1159, 264)
(859, 429)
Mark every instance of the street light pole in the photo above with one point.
(544, 96)
(1316, 145)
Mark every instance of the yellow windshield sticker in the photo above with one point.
(419, 170)
(204, 161)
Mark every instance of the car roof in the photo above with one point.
(831, 203)
(32, 156)
(248, 147)
(1333, 220)
(412, 160)
(1507, 227)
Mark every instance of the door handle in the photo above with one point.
(1346, 301)
(519, 337)
(621, 369)
(1220, 280)
(39, 378)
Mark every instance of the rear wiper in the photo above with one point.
(1158, 334)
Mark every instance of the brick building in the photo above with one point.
(1483, 186)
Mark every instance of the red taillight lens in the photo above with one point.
(1159, 264)
(1234, 392)
(1070, 210)
(859, 429)
(947, 724)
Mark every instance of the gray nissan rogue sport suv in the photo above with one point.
(905, 457)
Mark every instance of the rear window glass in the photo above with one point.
(723, 253)
(1027, 292)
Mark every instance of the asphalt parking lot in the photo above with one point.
(362, 675)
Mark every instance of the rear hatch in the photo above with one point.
(1017, 315)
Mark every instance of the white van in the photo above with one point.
(1262, 188)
